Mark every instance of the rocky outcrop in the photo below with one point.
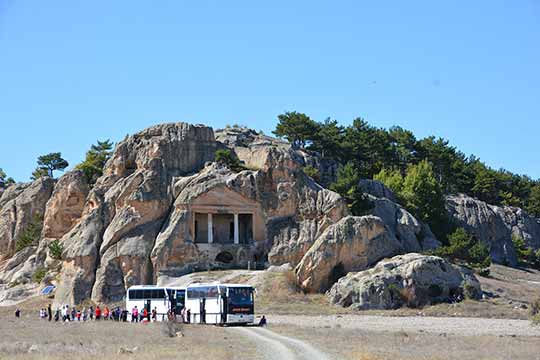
(109, 249)
(254, 149)
(297, 209)
(377, 189)
(352, 244)
(415, 235)
(22, 204)
(412, 279)
(494, 225)
(66, 204)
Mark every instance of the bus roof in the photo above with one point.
(146, 287)
(218, 284)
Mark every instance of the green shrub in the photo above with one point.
(469, 291)
(525, 254)
(463, 247)
(30, 236)
(228, 158)
(39, 274)
(535, 312)
(56, 249)
(311, 172)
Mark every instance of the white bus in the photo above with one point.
(216, 303)
(150, 296)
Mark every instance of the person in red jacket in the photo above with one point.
(145, 314)
(98, 313)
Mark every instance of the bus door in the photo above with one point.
(148, 305)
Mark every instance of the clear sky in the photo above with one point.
(72, 72)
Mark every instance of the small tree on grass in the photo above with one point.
(525, 254)
(31, 234)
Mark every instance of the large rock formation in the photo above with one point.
(22, 204)
(163, 208)
(146, 217)
(109, 249)
(494, 225)
(411, 279)
(415, 235)
(352, 244)
(66, 204)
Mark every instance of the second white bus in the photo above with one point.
(223, 304)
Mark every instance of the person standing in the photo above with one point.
(17, 313)
(91, 311)
(49, 312)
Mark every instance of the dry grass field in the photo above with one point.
(354, 344)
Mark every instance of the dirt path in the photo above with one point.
(434, 325)
(280, 347)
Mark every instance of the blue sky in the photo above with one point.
(72, 71)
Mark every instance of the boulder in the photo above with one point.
(25, 204)
(413, 234)
(66, 204)
(352, 244)
(377, 189)
(494, 225)
(411, 279)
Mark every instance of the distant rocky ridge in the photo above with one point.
(147, 218)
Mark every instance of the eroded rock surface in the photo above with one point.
(109, 249)
(352, 244)
(66, 204)
(410, 279)
(22, 204)
(494, 225)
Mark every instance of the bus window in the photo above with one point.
(241, 296)
(136, 294)
(202, 292)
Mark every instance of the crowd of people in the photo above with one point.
(67, 313)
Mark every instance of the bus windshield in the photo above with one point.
(241, 296)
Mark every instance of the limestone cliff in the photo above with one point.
(163, 208)
(494, 225)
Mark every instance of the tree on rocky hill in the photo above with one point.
(533, 206)
(95, 160)
(297, 128)
(347, 185)
(5, 180)
(228, 158)
(48, 164)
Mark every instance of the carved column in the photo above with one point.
(236, 234)
(210, 229)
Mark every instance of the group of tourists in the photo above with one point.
(67, 314)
